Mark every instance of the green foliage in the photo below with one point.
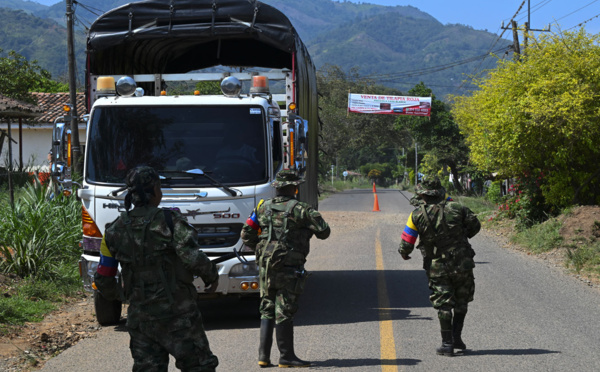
(18, 76)
(357, 139)
(374, 174)
(439, 135)
(494, 193)
(411, 176)
(525, 202)
(209, 87)
(38, 235)
(537, 116)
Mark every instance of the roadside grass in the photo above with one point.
(327, 187)
(584, 258)
(480, 206)
(39, 250)
(540, 238)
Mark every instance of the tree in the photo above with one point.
(355, 139)
(439, 134)
(538, 118)
(19, 77)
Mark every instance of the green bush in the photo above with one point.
(38, 234)
(494, 192)
(526, 203)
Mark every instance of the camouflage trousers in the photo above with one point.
(453, 291)
(183, 337)
(279, 293)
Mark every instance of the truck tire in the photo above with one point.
(107, 312)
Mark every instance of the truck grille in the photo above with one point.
(218, 236)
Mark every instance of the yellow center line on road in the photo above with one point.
(386, 329)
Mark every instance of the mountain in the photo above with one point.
(28, 6)
(386, 43)
(48, 2)
(318, 16)
(38, 39)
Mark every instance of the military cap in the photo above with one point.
(286, 177)
(141, 179)
(430, 186)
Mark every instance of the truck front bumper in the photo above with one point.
(235, 277)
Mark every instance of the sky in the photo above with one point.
(489, 14)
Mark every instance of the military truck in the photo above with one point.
(217, 154)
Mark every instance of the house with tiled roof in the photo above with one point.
(32, 135)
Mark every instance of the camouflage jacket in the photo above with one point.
(444, 229)
(158, 265)
(302, 222)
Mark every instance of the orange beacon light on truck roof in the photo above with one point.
(260, 84)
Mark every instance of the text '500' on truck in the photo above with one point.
(217, 154)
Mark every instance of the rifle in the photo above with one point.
(239, 254)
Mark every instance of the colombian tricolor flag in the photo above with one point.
(410, 232)
(252, 221)
(108, 264)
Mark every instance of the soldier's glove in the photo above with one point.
(212, 287)
(405, 256)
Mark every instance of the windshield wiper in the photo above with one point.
(200, 172)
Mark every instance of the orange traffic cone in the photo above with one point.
(374, 190)
(376, 205)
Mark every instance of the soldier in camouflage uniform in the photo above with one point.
(159, 256)
(279, 231)
(443, 228)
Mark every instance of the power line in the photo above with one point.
(537, 7)
(575, 11)
(95, 11)
(428, 70)
(584, 22)
(476, 70)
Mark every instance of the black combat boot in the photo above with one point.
(446, 349)
(285, 343)
(457, 326)
(266, 340)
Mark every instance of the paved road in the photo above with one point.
(365, 309)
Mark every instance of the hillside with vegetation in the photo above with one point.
(381, 41)
(38, 39)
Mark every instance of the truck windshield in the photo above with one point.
(226, 142)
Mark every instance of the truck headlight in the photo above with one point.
(242, 270)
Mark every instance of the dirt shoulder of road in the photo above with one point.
(27, 347)
(580, 226)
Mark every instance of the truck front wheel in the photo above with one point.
(107, 312)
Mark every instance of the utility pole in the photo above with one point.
(75, 145)
(527, 29)
(416, 164)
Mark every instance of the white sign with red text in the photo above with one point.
(389, 105)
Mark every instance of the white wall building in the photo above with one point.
(33, 136)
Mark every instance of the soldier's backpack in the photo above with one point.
(277, 247)
(444, 233)
(151, 277)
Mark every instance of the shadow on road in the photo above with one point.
(331, 297)
(509, 352)
(230, 313)
(340, 363)
(344, 297)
